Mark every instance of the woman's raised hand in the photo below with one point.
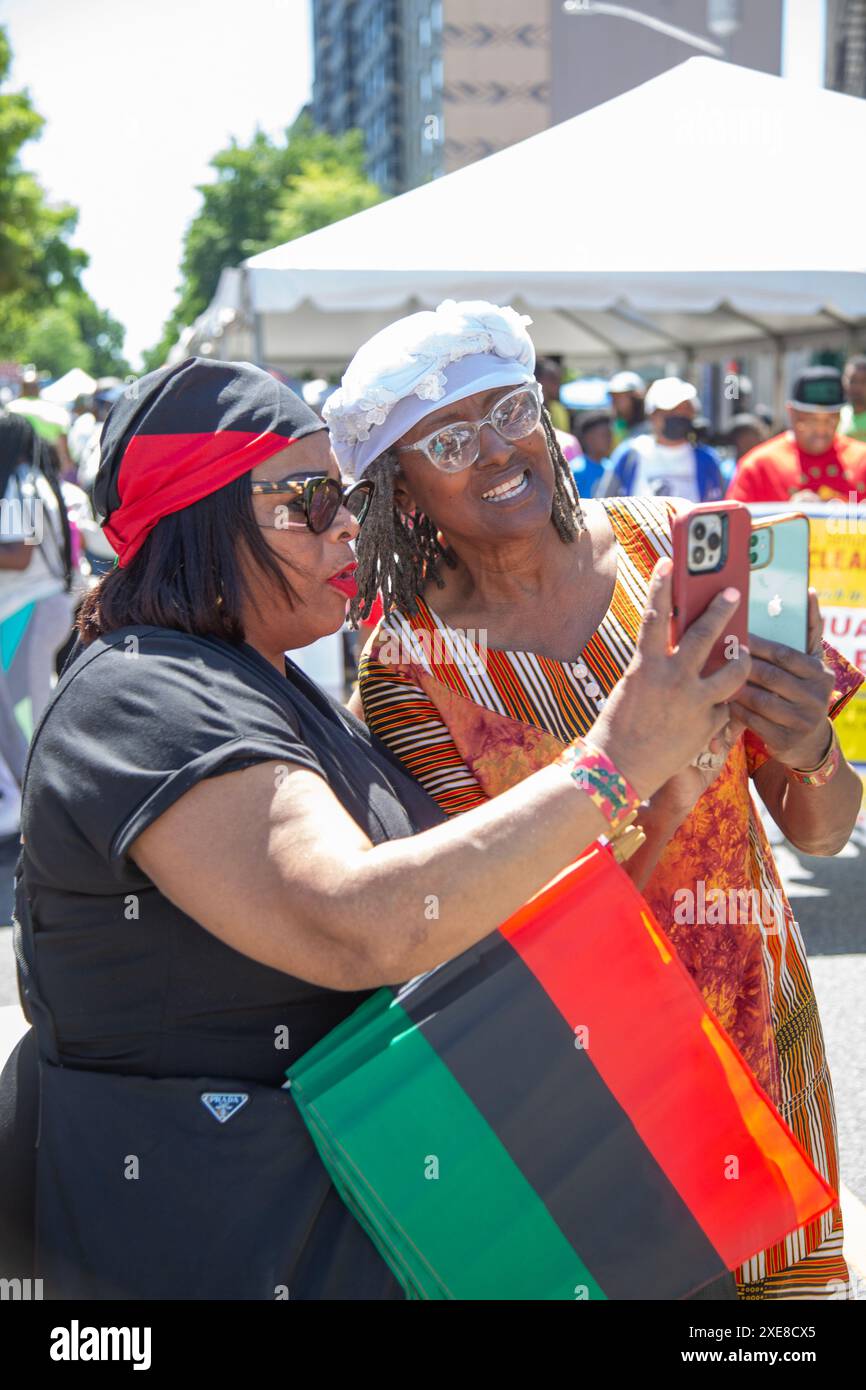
(663, 712)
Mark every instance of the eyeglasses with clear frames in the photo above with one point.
(456, 446)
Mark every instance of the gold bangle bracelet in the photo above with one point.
(826, 768)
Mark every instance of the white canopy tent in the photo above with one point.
(67, 388)
(710, 210)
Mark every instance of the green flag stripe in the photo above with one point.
(410, 1135)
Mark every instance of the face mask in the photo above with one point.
(677, 428)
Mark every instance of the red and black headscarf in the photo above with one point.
(183, 432)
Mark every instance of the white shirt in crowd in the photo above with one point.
(666, 470)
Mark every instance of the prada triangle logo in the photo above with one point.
(223, 1104)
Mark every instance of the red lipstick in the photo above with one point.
(344, 581)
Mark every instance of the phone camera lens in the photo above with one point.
(698, 554)
(714, 541)
(700, 531)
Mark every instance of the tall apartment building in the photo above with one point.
(358, 78)
(434, 84)
(846, 46)
(438, 84)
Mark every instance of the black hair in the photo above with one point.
(19, 443)
(591, 420)
(397, 555)
(638, 408)
(548, 366)
(188, 573)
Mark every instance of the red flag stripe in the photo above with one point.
(691, 1068)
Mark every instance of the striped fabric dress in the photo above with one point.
(468, 721)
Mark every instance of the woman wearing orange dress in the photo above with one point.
(511, 610)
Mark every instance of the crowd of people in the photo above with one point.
(654, 441)
(213, 850)
(51, 549)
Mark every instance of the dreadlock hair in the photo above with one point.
(397, 555)
(19, 443)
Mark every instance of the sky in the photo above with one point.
(137, 96)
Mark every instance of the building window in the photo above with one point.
(377, 129)
(436, 16)
(424, 32)
(375, 26)
(437, 73)
(382, 172)
(426, 86)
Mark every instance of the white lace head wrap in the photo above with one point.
(419, 364)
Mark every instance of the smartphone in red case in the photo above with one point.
(711, 552)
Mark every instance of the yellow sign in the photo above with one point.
(837, 570)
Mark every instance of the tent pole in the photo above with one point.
(254, 319)
(636, 319)
(750, 319)
(780, 394)
(606, 342)
(258, 340)
(850, 328)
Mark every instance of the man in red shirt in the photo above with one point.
(810, 462)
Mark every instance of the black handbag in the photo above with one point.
(181, 1187)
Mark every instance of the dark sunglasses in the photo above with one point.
(321, 497)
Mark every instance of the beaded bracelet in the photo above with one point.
(602, 781)
(827, 768)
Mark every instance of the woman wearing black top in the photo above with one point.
(219, 863)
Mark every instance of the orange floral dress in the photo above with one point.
(469, 721)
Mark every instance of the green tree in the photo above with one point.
(46, 316)
(264, 193)
(36, 259)
(320, 195)
(54, 343)
(74, 332)
(101, 334)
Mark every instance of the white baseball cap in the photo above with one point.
(625, 381)
(669, 392)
